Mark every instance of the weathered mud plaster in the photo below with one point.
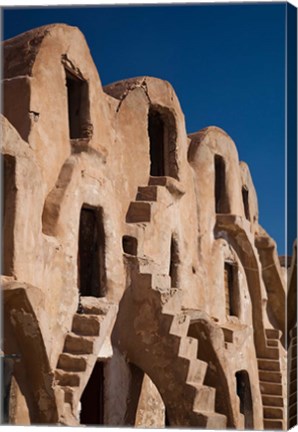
(138, 286)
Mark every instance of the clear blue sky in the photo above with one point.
(225, 62)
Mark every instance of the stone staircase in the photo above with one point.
(160, 345)
(292, 378)
(270, 378)
(90, 328)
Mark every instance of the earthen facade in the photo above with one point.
(138, 287)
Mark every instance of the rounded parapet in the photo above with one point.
(62, 104)
(150, 119)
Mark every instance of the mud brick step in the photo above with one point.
(270, 376)
(139, 211)
(273, 413)
(272, 343)
(147, 193)
(75, 344)
(271, 400)
(211, 420)
(273, 333)
(94, 306)
(67, 379)
(271, 388)
(268, 365)
(87, 325)
(196, 371)
(72, 363)
(204, 399)
(273, 424)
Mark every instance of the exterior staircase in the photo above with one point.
(292, 378)
(270, 377)
(90, 328)
(159, 344)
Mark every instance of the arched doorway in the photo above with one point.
(244, 393)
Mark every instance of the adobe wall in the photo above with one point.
(108, 167)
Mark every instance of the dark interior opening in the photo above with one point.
(130, 245)
(244, 394)
(174, 263)
(221, 203)
(167, 421)
(92, 400)
(156, 129)
(78, 106)
(135, 389)
(6, 368)
(8, 213)
(231, 289)
(91, 253)
(245, 202)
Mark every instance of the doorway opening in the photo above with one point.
(221, 202)
(244, 393)
(231, 289)
(162, 137)
(245, 202)
(91, 253)
(92, 400)
(156, 129)
(8, 212)
(78, 106)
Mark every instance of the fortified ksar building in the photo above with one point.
(138, 286)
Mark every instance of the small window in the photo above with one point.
(221, 201)
(91, 254)
(231, 289)
(130, 245)
(174, 263)
(78, 106)
(245, 202)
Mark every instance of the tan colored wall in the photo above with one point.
(56, 176)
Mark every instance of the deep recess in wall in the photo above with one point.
(91, 254)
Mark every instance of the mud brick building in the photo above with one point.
(138, 287)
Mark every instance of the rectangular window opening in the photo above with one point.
(174, 263)
(221, 203)
(157, 143)
(130, 245)
(78, 106)
(8, 212)
(231, 289)
(245, 202)
(91, 254)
